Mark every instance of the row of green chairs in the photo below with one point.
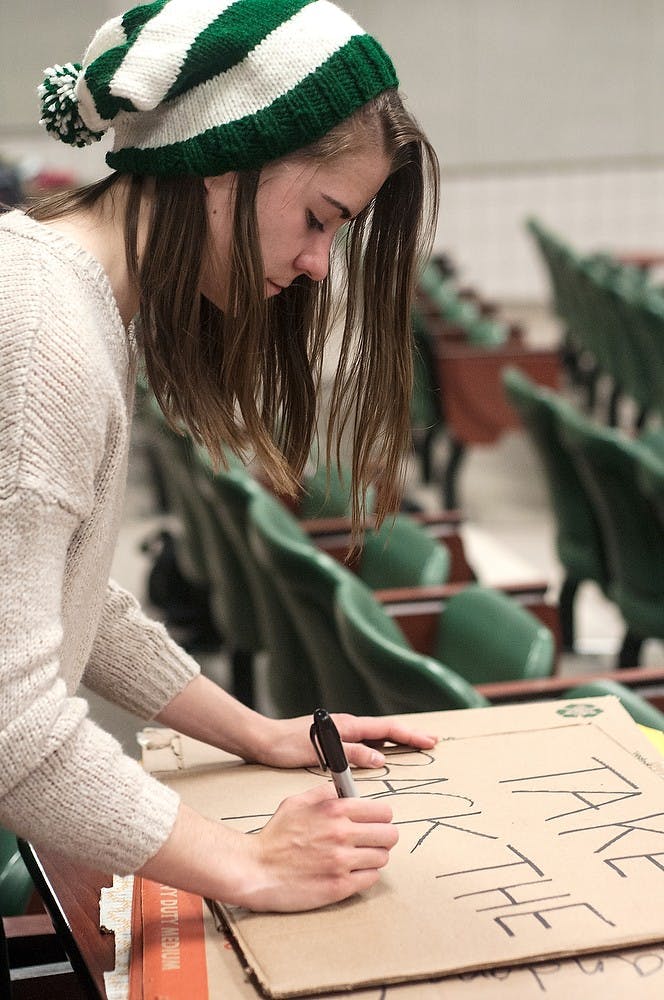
(331, 642)
(456, 383)
(271, 605)
(607, 495)
(614, 314)
(211, 554)
(458, 311)
(328, 639)
(481, 632)
(382, 656)
(438, 293)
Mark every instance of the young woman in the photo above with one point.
(249, 139)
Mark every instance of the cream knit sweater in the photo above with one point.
(67, 372)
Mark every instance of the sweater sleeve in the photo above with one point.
(134, 662)
(63, 780)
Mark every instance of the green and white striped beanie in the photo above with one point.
(206, 86)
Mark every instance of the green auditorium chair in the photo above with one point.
(647, 314)
(425, 408)
(402, 680)
(400, 554)
(561, 265)
(398, 678)
(609, 464)
(579, 541)
(291, 684)
(15, 883)
(328, 494)
(486, 636)
(306, 580)
(641, 710)
(206, 555)
(617, 294)
(650, 474)
(460, 312)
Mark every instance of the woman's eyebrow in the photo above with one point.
(345, 212)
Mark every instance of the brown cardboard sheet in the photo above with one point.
(530, 835)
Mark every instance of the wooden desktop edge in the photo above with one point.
(649, 683)
(319, 527)
(414, 596)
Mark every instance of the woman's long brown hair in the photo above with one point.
(249, 379)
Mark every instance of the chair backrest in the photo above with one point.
(650, 473)
(170, 454)
(649, 322)
(641, 710)
(16, 886)
(402, 553)
(632, 533)
(307, 580)
(431, 278)
(486, 636)
(425, 409)
(229, 594)
(328, 494)
(578, 534)
(557, 258)
(291, 683)
(399, 679)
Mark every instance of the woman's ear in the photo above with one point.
(220, 191)
(221, 182)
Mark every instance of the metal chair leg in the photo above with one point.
(566, 605)
(630, 650)
(242, 670)
(451, 470)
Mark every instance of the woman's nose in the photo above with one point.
(315, 261)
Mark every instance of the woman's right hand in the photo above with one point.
(318, 849)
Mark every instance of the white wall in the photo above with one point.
(545, 107)
(542, 107)
(35, 34)
(511, 83)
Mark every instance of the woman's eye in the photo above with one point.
(314, 223)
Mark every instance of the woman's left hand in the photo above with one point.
(287, 742)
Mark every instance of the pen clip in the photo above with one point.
(315, 739)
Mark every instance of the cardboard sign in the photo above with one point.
(633, 974)
(530, 833)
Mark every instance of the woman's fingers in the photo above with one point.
(361, 755)
(319, 849)
(379, 727)
(373, 835)
(358, 731)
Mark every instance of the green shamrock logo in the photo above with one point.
(580, 710)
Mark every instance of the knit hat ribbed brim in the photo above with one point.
(201, 87)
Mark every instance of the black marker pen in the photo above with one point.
(327, 744)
